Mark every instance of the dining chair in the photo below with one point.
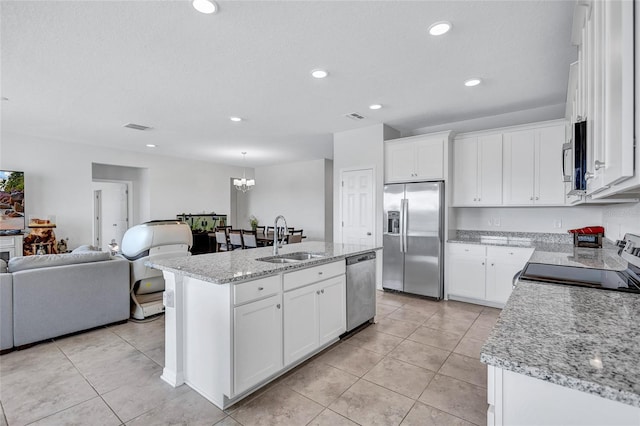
(249, 239)
(260, 230)
(235, 238)
(222, 242)
(294, 238)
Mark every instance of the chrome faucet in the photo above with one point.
(275, 234)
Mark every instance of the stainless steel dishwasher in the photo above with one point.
(361, 289)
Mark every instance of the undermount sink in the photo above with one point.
(291, 257)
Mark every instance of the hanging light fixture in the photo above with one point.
(244, 184)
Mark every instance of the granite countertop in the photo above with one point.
(241, 265)
(580, 338)
(554, 249)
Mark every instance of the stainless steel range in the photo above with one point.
(627, 280)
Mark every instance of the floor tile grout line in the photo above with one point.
(87, 380)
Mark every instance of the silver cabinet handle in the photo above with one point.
(320, 273)
(482, 263)
(317, 291)
(588, 175)
(475, 199)
(260, 288)
(492, 264)
(322, 291)
(479, 198)
(278, 306)
(599, 164)
(537, 198)
(369, 233)
(531, 198)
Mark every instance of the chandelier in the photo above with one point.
(244, 184)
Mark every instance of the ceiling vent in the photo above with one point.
(136, 126)
(354, 116)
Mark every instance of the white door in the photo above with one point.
(399, 161)
(300, 323)
(549, 184)
(257, 344)
(465, 169)
(358, 214)
(467, 276)
(332, 309)
(490, 170)
(112, 211)
(519, 167)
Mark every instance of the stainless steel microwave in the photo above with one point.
(574, 159)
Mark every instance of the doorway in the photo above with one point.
(111, 212)
(357, 212)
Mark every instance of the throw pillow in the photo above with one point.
(3, 266)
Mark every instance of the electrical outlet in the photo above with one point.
(490, 222)
(496, 221)
(557, 223)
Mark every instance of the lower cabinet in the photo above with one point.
(483, 274)
(314, 315)
(257, 342)
(516, 399)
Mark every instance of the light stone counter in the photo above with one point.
(579, 338)
(241, 265)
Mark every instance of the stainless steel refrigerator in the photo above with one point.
(413, 238)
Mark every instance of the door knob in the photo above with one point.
(599, 164)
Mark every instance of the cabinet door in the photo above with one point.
(332, 309)
(300, 322)
(399, 161)
(519, 167)
(466, 276)
(490, 170)
(257, 344)
(500, 279)
(549, 186)
(465, 172)
(429, 156)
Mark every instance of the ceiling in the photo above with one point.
(79, 70)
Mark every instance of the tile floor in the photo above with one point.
(419, 365)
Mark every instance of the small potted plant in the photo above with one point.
(253, 221)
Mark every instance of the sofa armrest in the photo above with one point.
(6, 311)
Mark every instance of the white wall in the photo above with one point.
(296, 191)
(58, 181)
(528, 219)
(620, 219)
(360, 148)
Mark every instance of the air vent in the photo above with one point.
(354, 116)
(136, 126)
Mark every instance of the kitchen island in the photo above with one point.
(233, 322)
(565, 355)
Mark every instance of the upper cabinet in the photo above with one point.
(603, 93)
(415, 158)
(532, 167)
(477, 175)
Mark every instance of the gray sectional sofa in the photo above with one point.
(46, 296)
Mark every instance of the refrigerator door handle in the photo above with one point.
(401, 226)
(405, 209)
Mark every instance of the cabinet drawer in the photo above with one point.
(254, 290)
(467, 249)
(510, 254)
(310, 275)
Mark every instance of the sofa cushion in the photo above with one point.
(21, 263)
(3, 266)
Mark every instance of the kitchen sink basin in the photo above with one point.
(291, 257)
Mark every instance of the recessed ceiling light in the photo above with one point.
(472, 82)
(319, 73)
(235, 119)
(151, 145)
(439, 28)
(375, 106)
(205, 6)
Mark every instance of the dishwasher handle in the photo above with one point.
(361, 258)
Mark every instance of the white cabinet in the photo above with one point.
(517, 399)
(257, 342)
(483, 274)
(533, 166)
(314, 316)
(415, 158)
(477, 179)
